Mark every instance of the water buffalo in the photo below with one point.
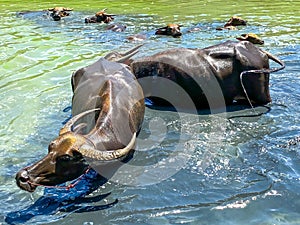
(232, 23)
(240, 70)
(236, 21)
(108, 109)
(100, 17)
(169, 30)
(58, 12)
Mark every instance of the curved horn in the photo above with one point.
(122, 57)
(103, 11)
(244, 36)
(68, 126)
(127, 55)
(275, 59)
(107, 155)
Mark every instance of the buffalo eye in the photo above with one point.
(64, 13)
(77, 155)
(65, 158)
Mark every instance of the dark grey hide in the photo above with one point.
(111, 87)
(210, 76)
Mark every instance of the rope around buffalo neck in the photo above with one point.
(265, 71)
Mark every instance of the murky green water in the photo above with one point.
(249, 178)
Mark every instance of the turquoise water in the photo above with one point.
(236, 173)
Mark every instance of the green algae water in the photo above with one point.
(249, 177)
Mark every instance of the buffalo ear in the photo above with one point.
(243, 37)
(76, 77)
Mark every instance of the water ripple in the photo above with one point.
(247, 173)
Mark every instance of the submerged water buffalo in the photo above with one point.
(236, 21)
(253, 38)
(100, 17)
(232, 23)
(108, 109)
(169, 30)
(59, 12)
(240, 70)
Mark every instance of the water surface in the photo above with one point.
(236, 172)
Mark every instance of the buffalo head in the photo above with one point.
(58, 12)
(253, 38)
(170, 30)
(232, 23)
(99, 17)
(66, 158)
(235, 21)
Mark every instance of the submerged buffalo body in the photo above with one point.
(239, 70)
(107, 109)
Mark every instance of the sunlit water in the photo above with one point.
(236, 171)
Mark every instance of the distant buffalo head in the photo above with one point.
(232, 23)
(236, 21)
(170, 30)
(100, 17)
(253, 38)
(59, 12)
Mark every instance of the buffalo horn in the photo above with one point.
(122, 57)
(68, 126)
(103, 10)
(93, 153)
(275, 59)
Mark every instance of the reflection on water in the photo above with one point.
(236, 175)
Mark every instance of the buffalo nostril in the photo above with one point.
(22, 176)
